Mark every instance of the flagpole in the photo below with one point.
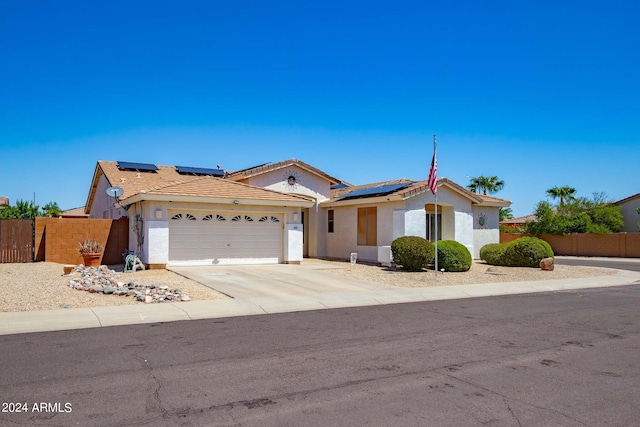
(436, 207)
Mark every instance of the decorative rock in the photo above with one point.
(547, 264)
(103, 280)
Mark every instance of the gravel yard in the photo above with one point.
(42, 285)
(479, 273)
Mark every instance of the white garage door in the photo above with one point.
(223, 238)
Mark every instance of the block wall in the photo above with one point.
(623, 245)
(58, 239)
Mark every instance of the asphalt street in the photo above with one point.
(565, 358)
(618, 263)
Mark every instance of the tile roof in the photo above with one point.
(341, 191)
(167, 181)
(520, 219)
(208, 186)
(420, 187)
(75, 212)
(268, 167)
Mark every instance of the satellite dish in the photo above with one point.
(115, 192)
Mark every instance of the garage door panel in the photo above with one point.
(225, 242)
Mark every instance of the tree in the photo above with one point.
(562, 193)
(638, 210)
(506, 213)
(28, 210)
(486, 184)
(578, 215)
(51, 209)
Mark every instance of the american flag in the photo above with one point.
(433, 176)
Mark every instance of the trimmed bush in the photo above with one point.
(412, 253)
(493, 253)
(453, 256)
(526, 252)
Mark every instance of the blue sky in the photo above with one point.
(538, 93)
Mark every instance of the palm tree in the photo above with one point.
(486, 184)
(52, 209)
(506, 213)
(562, 193)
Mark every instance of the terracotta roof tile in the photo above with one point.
(167, 181)
(416, 188)
(268, 167)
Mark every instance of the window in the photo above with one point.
(367, 226)
(431, 226)
(330, 221)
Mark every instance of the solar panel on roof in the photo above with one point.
(140, 167)
(381, 190)
(252, 167)
(337, 186)
(199, 171)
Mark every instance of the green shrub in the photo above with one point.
(493, 253)
(412, 253)
(526, 252)
(453, 256)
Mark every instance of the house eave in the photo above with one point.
(142, 197)
(271, 168)
(504, 204)
(362, 201)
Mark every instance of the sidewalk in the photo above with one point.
(77, 318)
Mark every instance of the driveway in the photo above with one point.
(274, 281)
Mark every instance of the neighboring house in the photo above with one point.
(74, 213)
(519, 222)
(628, 207)
(4, 201)
(279, 213)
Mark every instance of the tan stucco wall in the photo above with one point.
(490, 232)
(307, 184)
(344, 240)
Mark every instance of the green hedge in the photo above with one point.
(412, 253)
(493, 253)
(453, 256)
(522, 252)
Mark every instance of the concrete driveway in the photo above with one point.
(274, 281)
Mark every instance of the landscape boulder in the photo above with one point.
(547, 264)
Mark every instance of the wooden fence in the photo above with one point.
(16, 240)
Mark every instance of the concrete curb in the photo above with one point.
(79, 318)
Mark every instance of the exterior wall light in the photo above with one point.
(158, 214)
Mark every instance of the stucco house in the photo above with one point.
(628, 207)
(279, 213)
